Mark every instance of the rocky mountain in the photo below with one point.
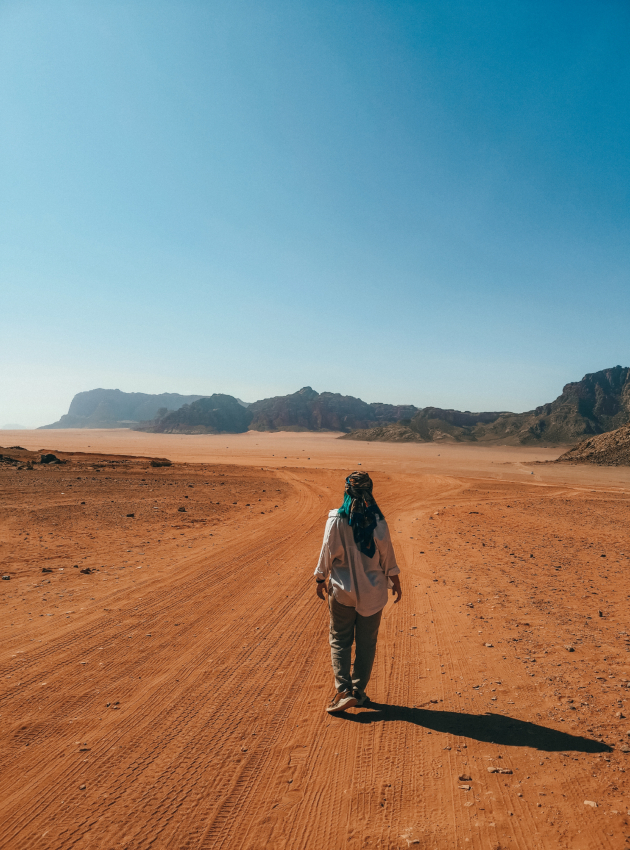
(215, 414)
(308, 410)
(598, 403)
(305, 410)
(611, 449)
(116, 409)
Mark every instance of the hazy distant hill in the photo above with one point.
(215, 414)
(598, 403)
(116, 409)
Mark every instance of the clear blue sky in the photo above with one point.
(422, 202)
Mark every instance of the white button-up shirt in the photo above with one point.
(356, 580)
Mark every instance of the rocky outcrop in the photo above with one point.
(116, 409)
(611, 449)
(215, 414)
(431, 424)
(308, 410)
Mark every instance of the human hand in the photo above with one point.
(321, 589)
(397, 590)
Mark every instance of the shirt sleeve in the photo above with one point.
(386, 551)
(332, 548)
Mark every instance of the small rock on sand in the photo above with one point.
(590, 803)
(465, 778)
(569, 648)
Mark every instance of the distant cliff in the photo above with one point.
(116, 409)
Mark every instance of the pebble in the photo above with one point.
(488, 644)
(81, 787)
(8, 578)
(590, 803)
(131, 515)
(465, 778)
(182, 510)
(569, 648)
(46, 570)
(465, 787)
(499, 770)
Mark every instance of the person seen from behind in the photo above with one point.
(355, 568)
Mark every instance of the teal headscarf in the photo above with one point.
(361, 511)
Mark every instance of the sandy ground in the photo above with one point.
(173, 697)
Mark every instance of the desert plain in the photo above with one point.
(165, 672)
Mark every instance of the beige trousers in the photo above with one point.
(348, 627)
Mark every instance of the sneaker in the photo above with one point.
(341, 701)
(361, 698)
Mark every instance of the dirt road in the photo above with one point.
(173, 697)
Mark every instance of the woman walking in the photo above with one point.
(358, 560)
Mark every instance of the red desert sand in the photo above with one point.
(165, 661)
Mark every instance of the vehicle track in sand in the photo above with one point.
(219, 661)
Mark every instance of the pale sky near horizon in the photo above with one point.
(410, 202)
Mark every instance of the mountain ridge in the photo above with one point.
(304, 410)
(598, 403)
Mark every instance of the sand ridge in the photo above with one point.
(201, 630)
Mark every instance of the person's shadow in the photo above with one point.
(493, 728)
